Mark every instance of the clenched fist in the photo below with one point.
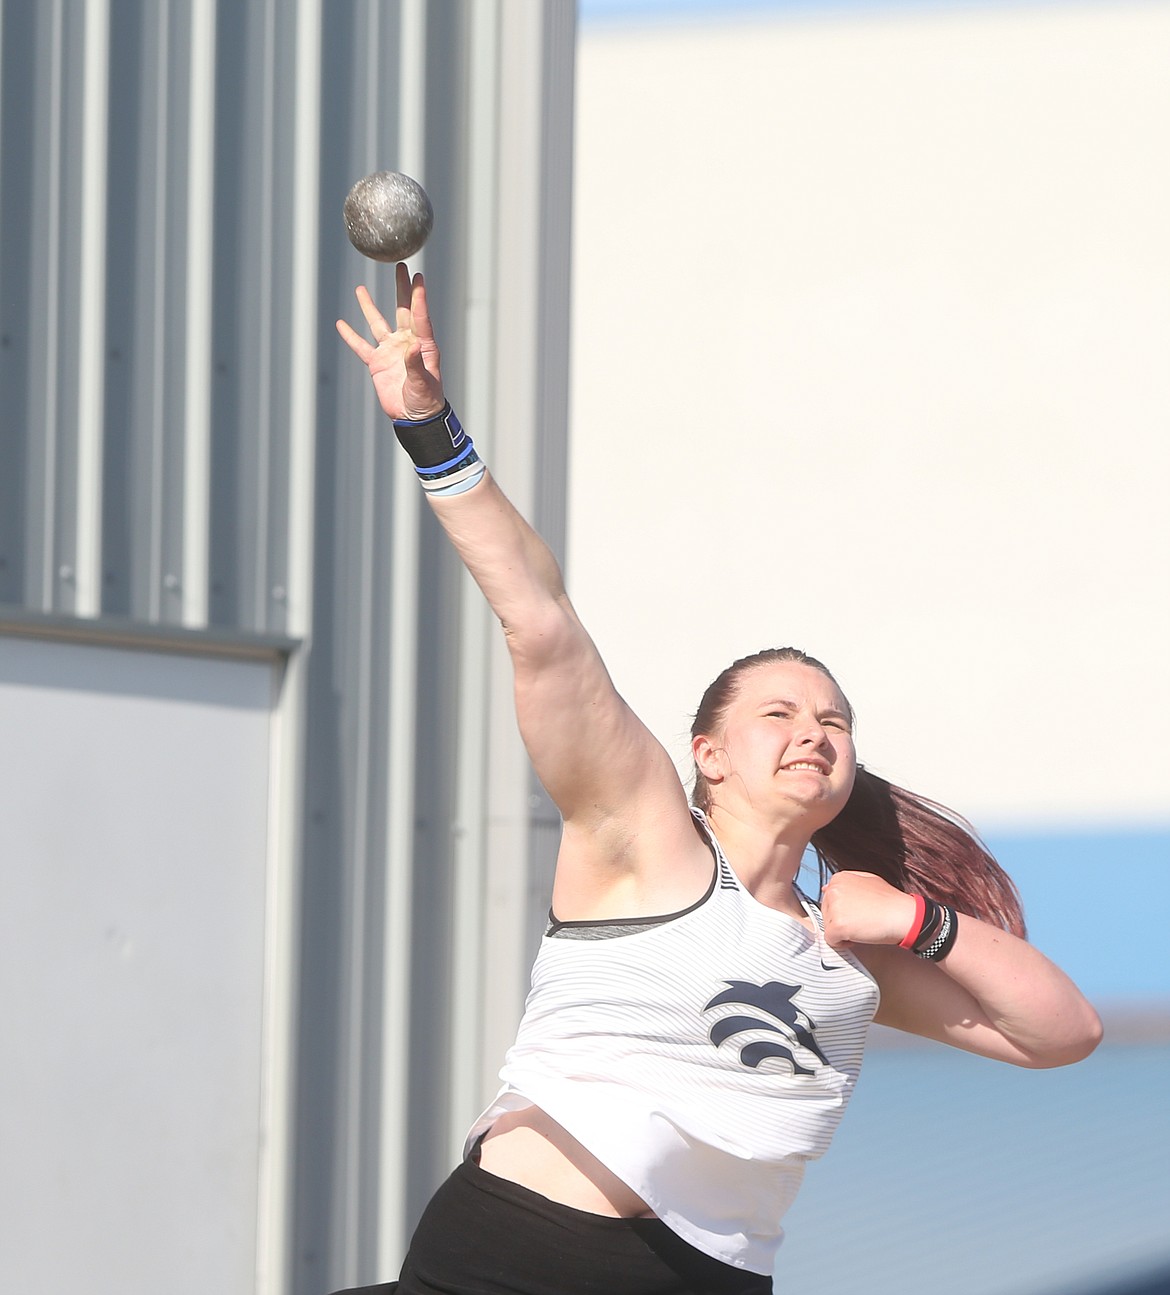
(860, 908)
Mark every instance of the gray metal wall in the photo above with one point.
(186, 448)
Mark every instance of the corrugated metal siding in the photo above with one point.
(166, 211)
(123, 145)
(195, 275)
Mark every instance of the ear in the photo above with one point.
(710, 760)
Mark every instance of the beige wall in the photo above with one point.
(872, 355)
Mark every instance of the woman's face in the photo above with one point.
(785, 748)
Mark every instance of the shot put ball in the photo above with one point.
(388, 216)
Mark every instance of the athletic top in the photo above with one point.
(704, 1058)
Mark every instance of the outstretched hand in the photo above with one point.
(404, 360)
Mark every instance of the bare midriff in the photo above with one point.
(529, 1148)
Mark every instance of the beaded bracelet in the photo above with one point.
(933, 931)
(936, 947)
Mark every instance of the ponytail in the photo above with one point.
(907, 840)
(918, 846)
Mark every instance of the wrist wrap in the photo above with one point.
(444, 455)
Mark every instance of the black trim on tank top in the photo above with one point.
(613, 928)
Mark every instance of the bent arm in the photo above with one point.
(993, 994)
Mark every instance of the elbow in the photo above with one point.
(541, 635)
(1077, 1041)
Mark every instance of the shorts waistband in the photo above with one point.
(533, 1202)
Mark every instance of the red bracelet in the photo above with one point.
(916, 926)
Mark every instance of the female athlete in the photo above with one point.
(696, 1024)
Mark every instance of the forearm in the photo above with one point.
(509, 561)
(993, 994)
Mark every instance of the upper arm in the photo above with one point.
(603, 768)
(601, 765)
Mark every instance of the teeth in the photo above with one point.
(804, 764)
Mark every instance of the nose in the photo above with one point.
(812, 733)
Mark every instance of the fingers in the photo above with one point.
(410, 306)
(410, 317)
(379, 328)
(402, 292)
(355, 341)
(420, 313)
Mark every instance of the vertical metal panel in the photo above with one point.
(232, 539)
(146, 316)
(17, 74)
(123, 535)
(152, 339)
(195, 501)
(274, 589)
(254, 219)
(258, 267)
(45, 107)
(242, 272)
(172, 282)
(356, 1203)
(324, 868)
(275, 1255)
(91, 351)
(401, 719)
(64, 271)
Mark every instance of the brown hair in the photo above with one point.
(909, 841)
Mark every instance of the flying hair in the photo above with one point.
(913, 843)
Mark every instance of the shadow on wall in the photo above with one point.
(1154, 1283)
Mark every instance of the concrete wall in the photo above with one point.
(134, 1111)
(872, 305)
(870, 329)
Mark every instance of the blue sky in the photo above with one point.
(1098, 903)
(639, 10)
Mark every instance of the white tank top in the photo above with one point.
(704, 1058)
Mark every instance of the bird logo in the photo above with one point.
(773, 1010)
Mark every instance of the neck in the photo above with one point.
(765, 859)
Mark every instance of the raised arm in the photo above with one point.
(602, 767)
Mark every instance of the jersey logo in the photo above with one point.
(772, 1010)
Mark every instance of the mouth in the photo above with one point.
(808, 766)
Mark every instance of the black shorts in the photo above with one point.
(483, 1235)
